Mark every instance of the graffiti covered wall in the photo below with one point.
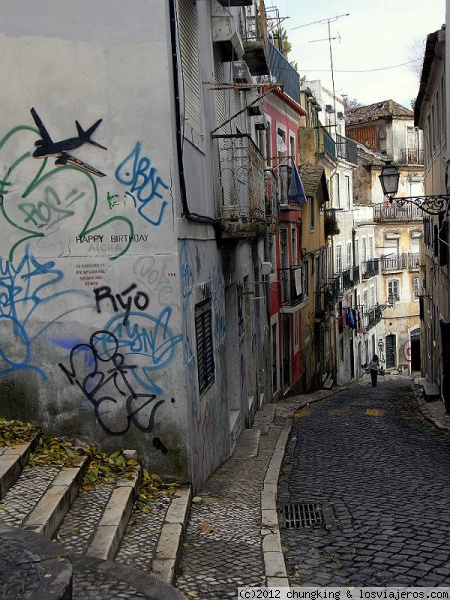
(91, 323)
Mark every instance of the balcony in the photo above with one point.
(392, 212)
(347, 279)
(255, 39)
(413, 261)
(400, 262)
(331, 225)
(372, 316)
(411, 156)
(326, 144)
(284, 73)
(370, 268)
(346, 149)
(227, 3)
(333, 290)
(291, 286)
(243, 197)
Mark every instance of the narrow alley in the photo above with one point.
(375, 472)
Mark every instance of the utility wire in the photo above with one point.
(364, 70)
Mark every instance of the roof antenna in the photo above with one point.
(329, 38)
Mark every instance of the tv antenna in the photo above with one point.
(329, 38)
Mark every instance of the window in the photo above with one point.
(365, 300)
(336, 192)
(371, 247)
(305, 279)
(292, 147)
(415, 288)
(347, 192)
(203, 334)
(294, 245)
(349, 255)
(269, 145)
(338, 259)
(393, 287)
(364, 249)
(312, 210)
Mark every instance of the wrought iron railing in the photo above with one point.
(347, 279)
(370, 268)
(413, 260)
(291, 287)
(400, 262)
(392, 212)
(411, 156)
(372, 316)
(325, 143)
(393, 262)
(241, 168)
(346, 149)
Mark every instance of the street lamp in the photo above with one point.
(389, 178)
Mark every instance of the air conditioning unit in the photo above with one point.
(329, 108)
(340, 115)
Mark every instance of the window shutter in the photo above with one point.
(205, 354)
(187, 23)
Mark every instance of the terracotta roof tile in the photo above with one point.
(377, 111)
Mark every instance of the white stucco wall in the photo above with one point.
(90, 316)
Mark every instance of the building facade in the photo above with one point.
(431, 114)
(133, 218)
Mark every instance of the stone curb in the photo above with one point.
(109, 532)
(54, 504)
(12, 462)
(171, 538)
(274, 565)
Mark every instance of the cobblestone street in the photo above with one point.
(380, 472)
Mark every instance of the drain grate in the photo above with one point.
(302, 515)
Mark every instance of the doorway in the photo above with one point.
(391, 351)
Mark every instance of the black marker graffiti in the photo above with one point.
(106, 378)
(140, 300)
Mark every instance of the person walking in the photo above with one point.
(374, 367)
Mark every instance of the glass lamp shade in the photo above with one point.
(389, 179)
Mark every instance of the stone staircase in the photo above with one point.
(113, 519)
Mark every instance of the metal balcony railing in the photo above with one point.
(413, 261)
(393, 262)
(347, 279)
(291, 286)
(411, 156)
(400, 262)
(372, 316)
(370, 268)
(325, 143)
(241, 168)
(346, 149)
(392, 212)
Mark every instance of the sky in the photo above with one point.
(369, 44)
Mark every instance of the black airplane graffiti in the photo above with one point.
(47, 147)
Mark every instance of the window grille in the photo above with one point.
(203, 334)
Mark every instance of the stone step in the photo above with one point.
(109, 532)
(12, 461)
(57, 499)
